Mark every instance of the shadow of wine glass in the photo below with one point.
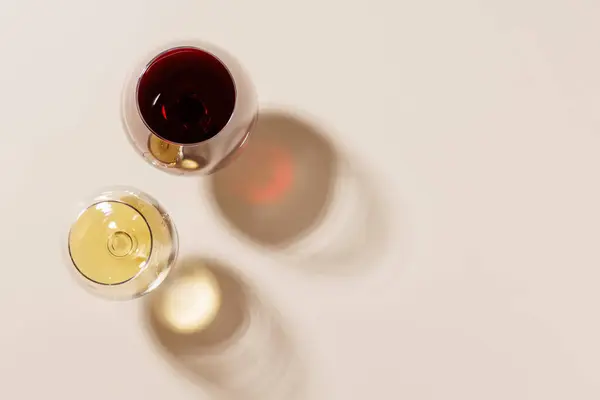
(290, 191)
(215, 329)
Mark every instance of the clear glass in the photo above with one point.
(205, 155)
(121, 244)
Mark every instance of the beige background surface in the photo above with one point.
(466, 135)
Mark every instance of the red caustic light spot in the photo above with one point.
(277, 175)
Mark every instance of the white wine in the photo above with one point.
(110, 243)
(123, 241)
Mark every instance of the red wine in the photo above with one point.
(186, 95)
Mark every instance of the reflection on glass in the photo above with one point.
(165, 152)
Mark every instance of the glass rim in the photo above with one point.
(161, 53)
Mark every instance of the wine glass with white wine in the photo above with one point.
(122, 244)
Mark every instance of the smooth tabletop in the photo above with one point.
(443, 244)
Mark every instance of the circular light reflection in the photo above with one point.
(191, 303)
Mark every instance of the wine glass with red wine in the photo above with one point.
(188, 108)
